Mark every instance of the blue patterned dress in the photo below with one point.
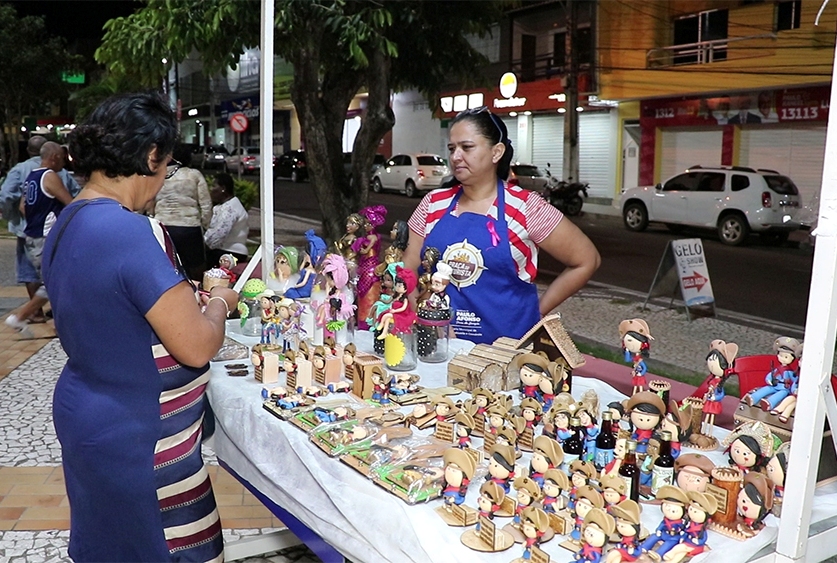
(127, 415)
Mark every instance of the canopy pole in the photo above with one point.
(266, 140)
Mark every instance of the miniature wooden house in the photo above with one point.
(266, 373)
(362, 385)
(484, 366)
(549, 337)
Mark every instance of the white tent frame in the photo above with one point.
(815, 399)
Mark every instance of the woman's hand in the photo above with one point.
(228, 295)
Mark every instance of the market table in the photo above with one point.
(362, 521)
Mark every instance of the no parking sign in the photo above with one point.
(239, 122)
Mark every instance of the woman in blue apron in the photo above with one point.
(490, 232)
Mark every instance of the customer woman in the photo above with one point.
(490, 233)
(129, 405)
(227, 233)
(185, 208)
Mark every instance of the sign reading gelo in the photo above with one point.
(508, 85)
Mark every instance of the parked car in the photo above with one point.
(527, 176)
(410, 173)
(245, 159)
(291, 165)
(734, 200)
(378, 161)
(210, 156)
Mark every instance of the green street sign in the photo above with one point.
(73, 77)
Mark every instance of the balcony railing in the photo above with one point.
(540, 67)
(702, 52)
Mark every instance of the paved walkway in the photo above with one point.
(34, 514)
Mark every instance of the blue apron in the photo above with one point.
(488, 298)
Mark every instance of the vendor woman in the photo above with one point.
(490, 232)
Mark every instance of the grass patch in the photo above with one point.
(620, 301)
(4, 226)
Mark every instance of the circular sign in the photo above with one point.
(508, 85)
(239, 122)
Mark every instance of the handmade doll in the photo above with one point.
(612, 468)
(647, 410)
(367, 248)
(528, 492)
(349, 352)
(669, 532)
(749, 446)
(588, 499)
(496, 415)
(678, 422)
(268, 306)
(597, 529)
(399, 236)
(531, 411)
(533, 524)
(701, 508)
(400, 317)
(558, 422)
(464, 427)
(226, 262)
(532, 367)
(501, 466)
(380, 381)
(580, 474)
(555, 482)
(508, 436)
(436, 298)
(755, 501)
(547, 383)
(428, 266)
(777, 469)
(354, 230)
(781, 379)
(613, 489)
(692, 472)
(443, 408)
(546, 454)
(333, 415)
(617, 415)
(337, 307)
(434, 312)
(316, 251)
(489, 501)
(403, 383)
(287, 317)
(587, 410)
(719, 362)
(636, 338)
(628, 526)
(482, 397)
(459, 470)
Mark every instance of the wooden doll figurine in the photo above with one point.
(647, 410)
(692, 472)
(777, 469)
(555, 482)
(628, 525)
(668, 533)
(749, 446)
(528, 492)
(636, 337)
(781, 379)
(464, 427)
(489, 501)
(496, 418)
(719, 362)
(546, 454)
(701, 508)
(400, 317)
(501, 466)
(613, 490)
(580, 474)
(588, 499)
(532, 368)
(755, 501)
(459, 469)
(598, 526)
(587, 410)
(531, 411)
(533, 523)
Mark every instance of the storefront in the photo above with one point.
(249, 106)
(782, 130)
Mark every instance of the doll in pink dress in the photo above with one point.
(367, 247)
(338, 307)
(400, 317)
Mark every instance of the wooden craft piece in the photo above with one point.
(304, 373)
(726, 482)
(527, 437)
(268, 371)
(537, 555)
(408, 399)
(363, 386)
(476, 454)
(506, 508)
(489, 539)
(458, 515)
(444, 431)
(488, 442)
(559, 523)
(514, 530)
(551, 338)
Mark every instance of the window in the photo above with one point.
(787, 15)
(687, 182)
(711, 182)
(583, 45)
(781, 185)
(430, 160)
(559, 49)
(740, 182)
(702, 36)
(526, 170)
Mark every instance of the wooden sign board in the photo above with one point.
(537, 555)
(479, 425)
(444, 431)
(458, 515)
(476, 454)
(558, 524)
(488, 533)
(488, 442)
(720, 495)
(304, 373)
(526, 439)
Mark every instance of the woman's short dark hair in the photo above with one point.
(117, 137)
(492, 128)
(402, 234)
(226, 181)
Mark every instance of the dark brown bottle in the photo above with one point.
(629, 472)
(663, 471)
(574, 445)
(605, 442)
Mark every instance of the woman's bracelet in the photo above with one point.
(222, 300)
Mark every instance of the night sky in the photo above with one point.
(79, 21)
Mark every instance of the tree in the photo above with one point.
(336, 47)
(31, 63)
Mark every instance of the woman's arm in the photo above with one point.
(570, 246)
(192, 337)
(412, 255)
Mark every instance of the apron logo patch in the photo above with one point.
(466, 261)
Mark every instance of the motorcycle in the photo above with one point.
(566, 196)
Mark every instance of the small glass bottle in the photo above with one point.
(663, 471)
(432, 340)
(400, 351)
(629, 472)
(251, 316)
(605, 442)
(574, 445)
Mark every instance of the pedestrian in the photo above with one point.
(490, 233)
(185, 208)
(228, 230)
(10, 194)
(43, 199)
(129, 405)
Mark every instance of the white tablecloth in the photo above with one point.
(366, 523)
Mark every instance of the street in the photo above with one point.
(756, 280)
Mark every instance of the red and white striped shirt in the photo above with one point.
(529, 217)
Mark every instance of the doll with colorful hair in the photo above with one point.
(367, 247)
(333, 312)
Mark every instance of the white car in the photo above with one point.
(410, 173)
(734, 200)
(244, 159)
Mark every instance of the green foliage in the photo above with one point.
(108, 85)
(247, 192)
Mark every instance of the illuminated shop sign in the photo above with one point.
(508, 89)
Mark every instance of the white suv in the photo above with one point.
(410, 173)
(735, 200)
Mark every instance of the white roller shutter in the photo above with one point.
(797, 152)
(682, 149)
(511, 125)
(548, 142)
(594, 149)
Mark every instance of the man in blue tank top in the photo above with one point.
(44, 196)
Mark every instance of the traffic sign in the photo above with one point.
(239, 122)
